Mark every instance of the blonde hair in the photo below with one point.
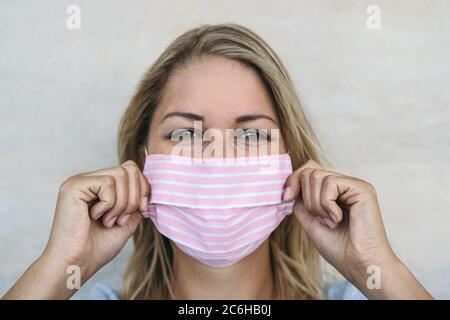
(295, 262)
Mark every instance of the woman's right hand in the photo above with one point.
(96, 213)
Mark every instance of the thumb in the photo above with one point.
(127, 230)
(119, 235)
(311, 224)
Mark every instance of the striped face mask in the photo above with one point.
(217, 210)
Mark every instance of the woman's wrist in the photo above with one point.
(58, 273)
(388, 278)
(47, 278)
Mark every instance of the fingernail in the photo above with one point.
(333, 217)
(329, 223)
(111, 222)
(144, 203)
(124, 219)
(287, 194)
(97, 214)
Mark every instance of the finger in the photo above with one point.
(117, 235)
(120, 191)
(293, 184)
(101, 188)
(312, 225)
(305, 187)
(347, 191)
(329, 196)
(133, 223)
(134, 192)
(128, 228)
(316, 178)
(121, 182)
(291, 187)
(145, 192)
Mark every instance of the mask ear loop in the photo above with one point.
(146, 152)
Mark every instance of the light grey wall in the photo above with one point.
(378, 99)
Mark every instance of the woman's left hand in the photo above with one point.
(341, 215)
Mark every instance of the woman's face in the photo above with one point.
(223, 94)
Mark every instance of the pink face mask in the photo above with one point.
(217, 210)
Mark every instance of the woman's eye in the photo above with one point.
(253, 135)
(178, 134)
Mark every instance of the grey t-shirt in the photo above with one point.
(341, 291)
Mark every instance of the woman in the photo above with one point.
(228, 78)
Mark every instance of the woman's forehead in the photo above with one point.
(216, 88)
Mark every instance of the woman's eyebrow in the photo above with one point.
(187, 115)
(193, 116)
(252, 117)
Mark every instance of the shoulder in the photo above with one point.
(343, 290)
(101, 291)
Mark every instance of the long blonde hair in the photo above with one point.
(295, 262)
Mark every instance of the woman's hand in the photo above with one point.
(342, 217)
(96, 213)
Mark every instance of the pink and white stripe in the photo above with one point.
(217, 210)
